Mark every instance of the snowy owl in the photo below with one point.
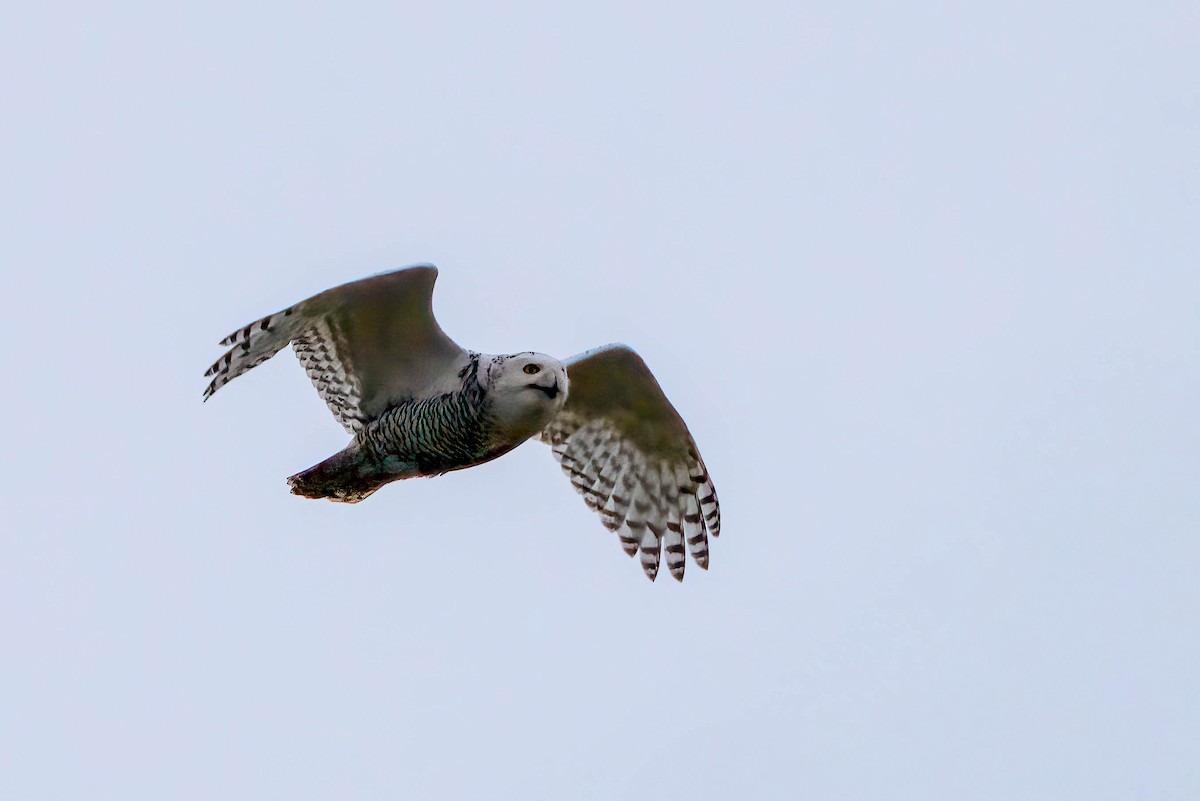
(417, 404)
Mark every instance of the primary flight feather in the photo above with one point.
(420, 405)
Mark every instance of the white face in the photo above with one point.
(526, 391)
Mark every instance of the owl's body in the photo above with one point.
(419, 405)
(427, 437)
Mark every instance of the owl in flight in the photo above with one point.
(417, 404)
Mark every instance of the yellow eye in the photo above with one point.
(532, 369)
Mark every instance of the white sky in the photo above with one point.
(922, 278)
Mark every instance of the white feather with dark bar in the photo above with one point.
(630, 455)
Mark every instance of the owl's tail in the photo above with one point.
(347, 477)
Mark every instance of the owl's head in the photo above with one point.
(525, 391)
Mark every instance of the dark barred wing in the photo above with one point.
(630, 455)
(366, 345)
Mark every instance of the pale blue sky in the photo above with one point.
(922, 278)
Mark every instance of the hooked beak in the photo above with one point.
(551, 392)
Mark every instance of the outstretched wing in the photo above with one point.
(628, 452)
(366, 345)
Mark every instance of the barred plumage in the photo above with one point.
(251, 346)
(652, 503)
(436, 434)
(325, 357)
(420, 405)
